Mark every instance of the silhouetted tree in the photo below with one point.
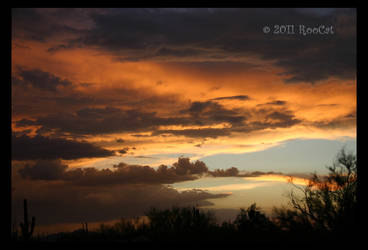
(330, 202)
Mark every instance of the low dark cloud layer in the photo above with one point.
(56, 202)
(122, 174)
(94, 121)
(103, 120)
(60, 194)
(40, 147)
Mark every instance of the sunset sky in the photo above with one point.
(102, 97)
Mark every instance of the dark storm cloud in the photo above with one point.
(39, 147)
(204, 35)
(40, 79)
(45, 23)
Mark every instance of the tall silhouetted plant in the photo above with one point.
(26, 228)
(252, 220)
(330, 203)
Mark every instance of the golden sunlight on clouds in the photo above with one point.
(279, 178)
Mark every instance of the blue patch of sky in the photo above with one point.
(299, 155)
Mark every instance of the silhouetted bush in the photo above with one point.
(181, 222)
(252, 220)
(330, 202)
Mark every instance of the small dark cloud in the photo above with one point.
(328, 105)
(277, 102)
(281, 116)
(39, 147)
(199, 107)
(144, 157)
(259, 173)
(139, 135)
(273, 103)
(210, 112)
(123, 151)
(119, 140)
(345, 121)
(237, 97)
(233, 171)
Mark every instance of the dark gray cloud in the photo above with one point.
(281, 116)
(233, 171)
(181, 170)
(40, 147)
(109, 120)
(123, 151)
(103, 120)
(203, 35)
(44, 170)
(236, 97)
(211, 112)
(344, 121)
(92, 121)
(276, 102)
(40, 79)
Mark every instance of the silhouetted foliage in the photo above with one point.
(252, 220)
(330, 202)
(180, 221)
